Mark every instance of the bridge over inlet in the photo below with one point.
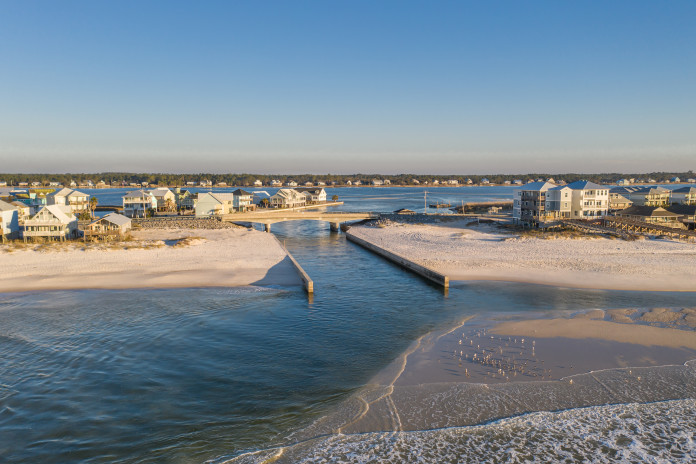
(271, 216)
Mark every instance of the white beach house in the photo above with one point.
(243, 201)
(314, 195)
(165, 198)
(76, 200)
(111, 225)
(684, 196)
(214, 204)
(9, 221)
(52, 222)
(137, 203)
(288, 198)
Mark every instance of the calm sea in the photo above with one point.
(195, 375)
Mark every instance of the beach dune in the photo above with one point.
(156, 258)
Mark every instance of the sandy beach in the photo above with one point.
(487, 253)
(156, 258)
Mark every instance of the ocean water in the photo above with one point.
(196, 375)
(382, 199)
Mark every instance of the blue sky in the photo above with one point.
(347, 86)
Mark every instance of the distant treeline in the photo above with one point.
(113, 178)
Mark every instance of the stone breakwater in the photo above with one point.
(182, 223)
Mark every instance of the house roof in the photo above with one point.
(67, 192)
(315, 190)
(160, 192)
(646, 211)
(537, 186)
(19, 204)
(115, 218)
(4, 206)
(650, 190)
(59, 212)
(685, 190)
(137, 194)
(240, 192)
(684, 210)
(289, 193)
(621, 199)
(222, 196)
(584, 185)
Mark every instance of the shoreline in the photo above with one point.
(485, 253)
(159, 258)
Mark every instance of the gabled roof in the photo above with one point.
(685, 190)
(19, 204)
(646, 211)
(67, 192)
(240, 192)
(684, 210)
(621, 199)
(160, 191)
(4, 206)
(57, 211)
(650, 190)
(314, 190)
(584, 185)
(115, 218)
(537, 186)
(289, 193)
(137, 194)
(64, 192)
(222, 196)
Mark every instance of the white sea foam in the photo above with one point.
(654, 432)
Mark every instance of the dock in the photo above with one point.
(423, 271)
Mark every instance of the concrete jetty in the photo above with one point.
(307, 282)
(406, 263)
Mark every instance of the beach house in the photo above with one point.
(288, 198)
(9, 221)
(243, 201)
(314, 195)
(646, 196)
(687, 213)
(165, 198)
(110, 226)
(214, 204)
(559, 203)
(684, 196)
(590, 200)
(651, 214)
(529, 203)
(137, 203)
(51, 222)
(618, 201)
(23, 211)
(184, 199)
(76, 200)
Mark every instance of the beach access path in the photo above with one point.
(155, 258)
(485, 252)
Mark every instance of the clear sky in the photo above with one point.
(347, 86)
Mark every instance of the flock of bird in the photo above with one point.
(500, 358)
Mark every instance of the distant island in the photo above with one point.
(125, 179)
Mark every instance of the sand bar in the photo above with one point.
(157, 258)
(486, 253)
